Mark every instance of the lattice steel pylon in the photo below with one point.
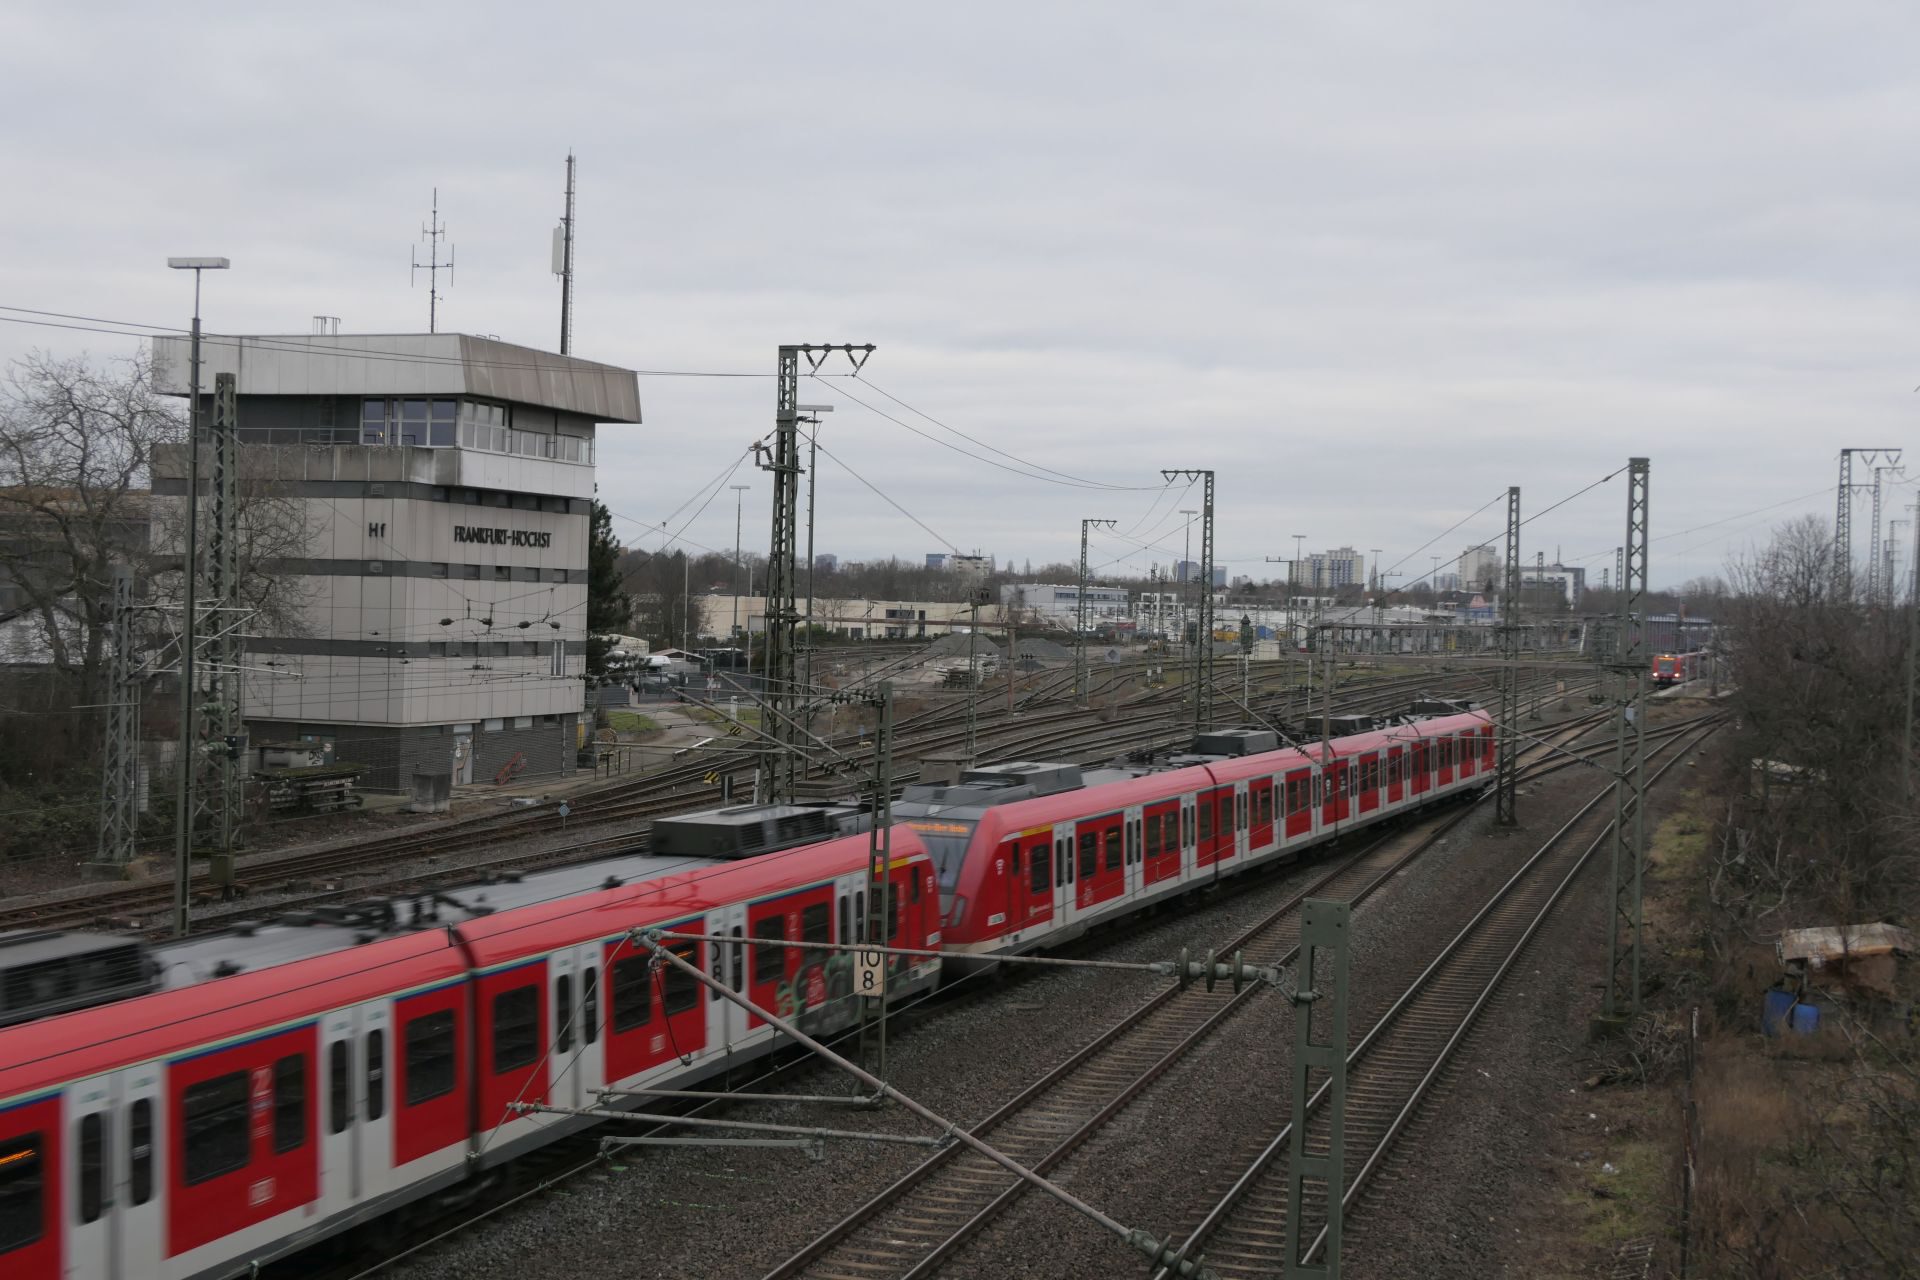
(780, 701)
(220, 614)
(1630, 763)
(1505, 784)
(120, 763)
(1843, 518)
(1080, 614)
(1203, 624)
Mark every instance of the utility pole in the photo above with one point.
(1630, 764)
(183, 763)
(433, 233)
(1203, 651)
(975, 598)
(1080, 614)
(1504, 810)
(1325, 935)
(739, 492)
(878, 925)
(811, 417)
(563, 265)
(1879, 581)
(120, 774)
(781, 701)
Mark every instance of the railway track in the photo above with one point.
(1395, 1063)
(910, 1228)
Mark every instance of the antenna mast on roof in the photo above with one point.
(433, 233)
(563, 265)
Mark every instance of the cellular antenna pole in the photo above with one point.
(1203, 631)
(433, 233)
(782, 458)
(1080, 614)
(563, 265)
(1505, 786)
(1630, 764)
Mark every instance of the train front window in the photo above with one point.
(946, 843)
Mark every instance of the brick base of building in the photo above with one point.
(394, 754)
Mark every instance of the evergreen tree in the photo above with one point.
(607, 602)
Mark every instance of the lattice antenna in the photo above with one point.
(433, 233)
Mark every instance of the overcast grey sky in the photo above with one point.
(1371, 262)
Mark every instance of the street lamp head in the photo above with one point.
(814, 408)
(199, 264)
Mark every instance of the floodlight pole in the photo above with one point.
(184, 762)
(1203, 630)
(1080, 614)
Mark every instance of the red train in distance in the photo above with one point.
(236, 1097)
(1031, 855)
(1678, 668)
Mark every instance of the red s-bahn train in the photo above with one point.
(233, 1098)
(1678, 668)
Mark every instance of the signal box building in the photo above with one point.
(445, 482)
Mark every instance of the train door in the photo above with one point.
(1063, 869)
(372, 1061)
(340, 1138)
(1264, 830)
(1368, 769)
(88, 1176)
(1135, 861)
(138, 1207)
(728, 960)
(574, 1072)
(1038, 864)
(1396, 774)
(1242, 822)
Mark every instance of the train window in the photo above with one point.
(213, 1129)
(516, 1029)
(1063, 863)
(1013, 859)
(93, 1167)
(590, 1004)
(289, 1103)
(339, 1088)
(682, 991)
(770, 963)
(1089, 853)
(430, 1061)
(1206, 820)
(913, 886)
(23, 1193)
(1115, 853)
(1037, 869)
(563, 1013)
(140, 1151)
(1170, 832)
(376, 1074)
(816, 921)
(1153, 836)
(632, 993)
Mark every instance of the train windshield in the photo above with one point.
(946, 841)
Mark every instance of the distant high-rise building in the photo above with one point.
(1340, 567)
(825, 563)
(1188, 570)
(1480, 568)
(936, 559)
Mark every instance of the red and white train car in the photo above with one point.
(1032, 855)
(292, 1081)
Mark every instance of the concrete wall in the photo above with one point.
(394, 754)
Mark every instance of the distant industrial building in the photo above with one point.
(1061, 604)
(957, 563)
(447, 481)
(1569, 581)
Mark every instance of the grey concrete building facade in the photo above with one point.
(445, 483)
